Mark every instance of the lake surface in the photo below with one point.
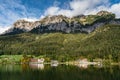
(58, 72)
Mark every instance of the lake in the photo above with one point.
(59, 72)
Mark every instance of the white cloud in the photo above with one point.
(113, 8)
(116, 9)
(52, 11)
(12, 10)
(78, 7)
(3, 29)
(30, 19)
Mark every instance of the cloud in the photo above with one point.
(30, 19)
(113, 8)
(78, 7)
(52, 11)
(12, 10)
(116, 9)
(3, 29)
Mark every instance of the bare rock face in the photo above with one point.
(22, 24)
(101, 13)
(26, 25)
(53, 19)
(35, 24)
(60, 23)
(61, 26)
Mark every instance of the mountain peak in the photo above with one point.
(53, 19)
(23, 24)
(80, 23)
(101, 13)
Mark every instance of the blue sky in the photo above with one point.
(12, 10)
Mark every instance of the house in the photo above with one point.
(83, 61)
(41, 60)
(54, 63)
(37, 61)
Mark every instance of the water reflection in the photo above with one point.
(61, 72)
(36, 66)
(42, 66)
(82, 65)
(85, 66)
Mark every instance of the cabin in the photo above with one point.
(83, 61)
(54, 63)
(37, 61)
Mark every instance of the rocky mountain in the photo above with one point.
(60, 23)
(102, 41)
(101, 13)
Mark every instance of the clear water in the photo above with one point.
(58, 72)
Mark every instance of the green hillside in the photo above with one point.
(102, 43)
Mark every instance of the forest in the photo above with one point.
(103, 43)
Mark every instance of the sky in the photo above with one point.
(33, 10)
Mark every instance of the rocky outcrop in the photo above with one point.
(53, 19)
(101, 13)
(63, 24)
(73, 27)
(24, 25)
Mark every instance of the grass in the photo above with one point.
(10, 59)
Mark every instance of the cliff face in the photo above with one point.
(73, 27)
(64, 24)
(101, 13)
(22, 24)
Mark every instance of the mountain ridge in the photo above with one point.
(60, 23)
(101, 43)
(61, 38)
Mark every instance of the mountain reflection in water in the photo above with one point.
(59, 72)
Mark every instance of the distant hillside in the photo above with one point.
(101, 43)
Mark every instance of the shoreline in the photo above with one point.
(17, 59)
